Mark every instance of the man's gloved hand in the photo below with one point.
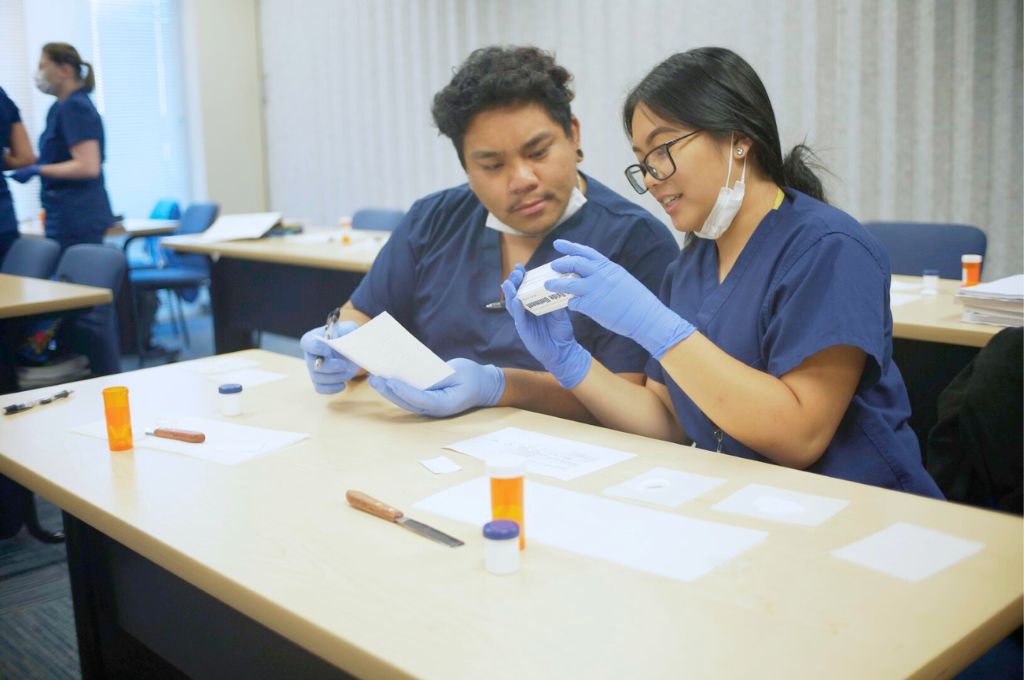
(471, 385)
(22, 175)
(335, 370)
(549, 337)
(612, 297)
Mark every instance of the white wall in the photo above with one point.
(915, 107)
(225, 101)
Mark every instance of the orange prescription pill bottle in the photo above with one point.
(506, 473)
(970, 270)
(119, 418)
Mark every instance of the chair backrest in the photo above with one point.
(916, 246)
(92, 265)
(35, 257)
(165, 209)
(379, 219)
(197, 218)
(94, 333)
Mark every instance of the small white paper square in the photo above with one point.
(246, 377)
(383, 347)
(897, 299)
(220, 365)
(662, 486)
(781, 505)
(441, 465)
(909, 552)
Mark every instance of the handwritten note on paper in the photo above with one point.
(226, 443)
(383, 347)
(563, 459)
(647, 540)
(909, 552)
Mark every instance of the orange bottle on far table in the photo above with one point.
(119, 418)
(506, 474)
(970, 270)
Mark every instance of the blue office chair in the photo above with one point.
(916, 246)
(180, 273)
(35, 257)
(165, 209)
(379, 219)
(94, 333)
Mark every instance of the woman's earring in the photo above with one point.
(579, 154)
(739, 152)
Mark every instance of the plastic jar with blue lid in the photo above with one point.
(501, 546)
(230, 399)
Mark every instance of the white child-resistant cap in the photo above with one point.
(506, 466)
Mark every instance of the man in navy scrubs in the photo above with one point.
(507, 112)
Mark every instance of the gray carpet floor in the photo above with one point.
(37, 625)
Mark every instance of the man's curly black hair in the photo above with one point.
(493, 77)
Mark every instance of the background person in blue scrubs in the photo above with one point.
(507, 112)
(772, 337)
(71, 151)
(17, 153)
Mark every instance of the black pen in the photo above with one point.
(18, 408)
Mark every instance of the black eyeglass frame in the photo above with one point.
(644, 168)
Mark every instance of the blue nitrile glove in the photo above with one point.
(470, 386)
(335, 370)
(549, 337)
(22, 175)
(610, 295)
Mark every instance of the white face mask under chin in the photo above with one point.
(726, 205)
(576, 201)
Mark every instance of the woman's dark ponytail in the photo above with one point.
(89, 81)
(714, 89)
(798, 172)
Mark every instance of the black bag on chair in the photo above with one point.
(976, 450)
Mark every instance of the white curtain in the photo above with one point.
(914, 106)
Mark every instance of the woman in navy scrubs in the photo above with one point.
(771, 338)
(71, 151)
(17, 153)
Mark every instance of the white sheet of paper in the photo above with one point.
(226, 443)
(383, 347)
(648, 540)
(897, 299)
(781, 505)
(246, 377)
(903, 285)
(235, 227)
(662, 486)
(441, 465)
(909, 552)
(556, 457)
(220, 365)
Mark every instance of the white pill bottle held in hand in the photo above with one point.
(230, 399)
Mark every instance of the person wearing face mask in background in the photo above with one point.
(771, 338)
(71, 151)
(17, 153)
(507, 113)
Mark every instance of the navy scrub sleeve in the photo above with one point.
(810, 278)
(77, 211)
(9, 115)
(442, 266)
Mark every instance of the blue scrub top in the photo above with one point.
(810, 278)
(76, 210)
(8, 116)
(441, 266)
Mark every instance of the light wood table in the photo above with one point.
(284, 285)
(25, 296)
(936, 318)
(273, 543)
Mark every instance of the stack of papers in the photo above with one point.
(237, 227)
(538, 299)
(999, 303)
